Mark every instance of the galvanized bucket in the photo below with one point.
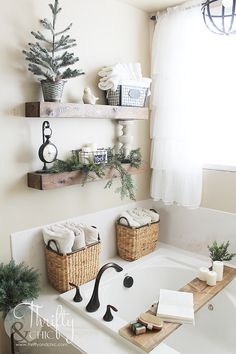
(52, 91)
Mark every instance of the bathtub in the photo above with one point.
(215, 322)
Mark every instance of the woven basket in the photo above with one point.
(136, 242)
(77, 267)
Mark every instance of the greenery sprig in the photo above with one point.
(50, 59)
(220, 252)
(115, 163)
(17, 284)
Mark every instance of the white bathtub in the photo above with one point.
(214, 330)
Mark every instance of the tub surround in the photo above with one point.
(85, 329)
(194, 229)
(186, 229)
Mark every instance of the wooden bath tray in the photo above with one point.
(202, 293)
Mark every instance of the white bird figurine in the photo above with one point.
(88, 96)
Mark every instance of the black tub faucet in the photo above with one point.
(94, 303)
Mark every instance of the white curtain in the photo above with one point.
(176, 118)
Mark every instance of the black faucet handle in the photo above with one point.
(77, 297)
(108, 317)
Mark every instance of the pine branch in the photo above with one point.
(38, 35)
(65, 30)
(36, 70)
(68, 74)
(65, 60)
(55, 9)
(64, 41)
(65, 47)
(47, 25)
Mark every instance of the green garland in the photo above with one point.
(115, 161)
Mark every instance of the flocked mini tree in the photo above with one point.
(49, 57)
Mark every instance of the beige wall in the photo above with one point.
(219, 190)
(107, 32)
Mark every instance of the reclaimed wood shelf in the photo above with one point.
(76, 110)
(202, 293)
(46, 181)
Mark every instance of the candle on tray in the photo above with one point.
(218, 267)
(211, 278)
(202, 275)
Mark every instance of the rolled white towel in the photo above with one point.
(141, 218)
(107, 85)
(79, 242)
(91, 234)
(131, 222)
(106, 70)
(79, 235)
(61, 235)
(154, 216)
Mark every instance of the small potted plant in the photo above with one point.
(219, 254)
(51, 60)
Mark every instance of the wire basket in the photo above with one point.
(136, 242)
(77, 267)
(130, 96)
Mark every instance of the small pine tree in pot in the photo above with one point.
(220, 252)
(51, 60)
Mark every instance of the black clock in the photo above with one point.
(47, 151)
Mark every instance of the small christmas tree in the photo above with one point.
(49, 59)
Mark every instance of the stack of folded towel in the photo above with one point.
(70, 236)
(129, 74)
(138, 217)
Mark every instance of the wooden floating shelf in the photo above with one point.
(46, 181)
(202, 293)
(76, 110)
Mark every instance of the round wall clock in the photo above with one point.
(47, 151)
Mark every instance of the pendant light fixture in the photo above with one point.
(219, 16)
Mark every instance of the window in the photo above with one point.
(219, 100)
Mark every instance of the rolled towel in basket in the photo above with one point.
(61, 235)
(140, 217)
(130, 221)
(154, 216)
(91, 234)
(79, 235)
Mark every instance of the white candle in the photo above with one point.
(218, 267)
(202, 275)
(211, 278)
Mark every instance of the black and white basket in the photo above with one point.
(129, 96)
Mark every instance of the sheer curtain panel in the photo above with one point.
(176, 117)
